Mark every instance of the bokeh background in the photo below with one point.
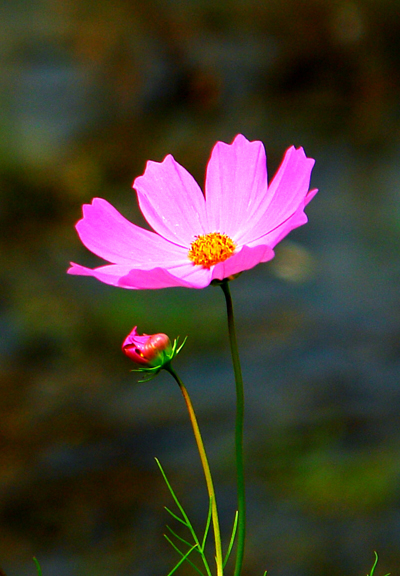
(90, 90)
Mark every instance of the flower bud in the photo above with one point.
(147, 350)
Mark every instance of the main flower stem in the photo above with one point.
(241, 531)
(206, 468)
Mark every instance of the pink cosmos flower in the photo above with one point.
(198, 238)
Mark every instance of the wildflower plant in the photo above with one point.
(199, 239)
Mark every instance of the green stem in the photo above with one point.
(206, 468)
(241, 531)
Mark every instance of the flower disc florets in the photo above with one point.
(210, 249)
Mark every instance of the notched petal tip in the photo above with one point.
(303, 156)
(238, 142)
(240, 138)
(95, 203)
(152, 167)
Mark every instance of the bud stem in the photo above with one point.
(206, 468)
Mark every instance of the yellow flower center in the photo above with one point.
(210, 249)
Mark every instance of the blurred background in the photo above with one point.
(89, 92)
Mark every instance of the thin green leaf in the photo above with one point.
(207, 528)
(178, 537)
(172, 492)
(185, 520)
(232, 540)
(193, 565)
(182, 560)
(199, 550)
(182, 345)
(38, 568)
(374, 566)
(176, 517)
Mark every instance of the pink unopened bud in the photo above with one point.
(148, 350)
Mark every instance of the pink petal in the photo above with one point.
(108, 274)
(246, 258)
(286, 193)
(105, 232)
(236, 182)
(171, 201)
(297, 219)
(133, 338)
(186, 275)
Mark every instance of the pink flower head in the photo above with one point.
(148, 350)
(199, 238)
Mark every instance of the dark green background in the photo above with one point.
(89, 92)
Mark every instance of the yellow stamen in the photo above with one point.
(210, 249)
